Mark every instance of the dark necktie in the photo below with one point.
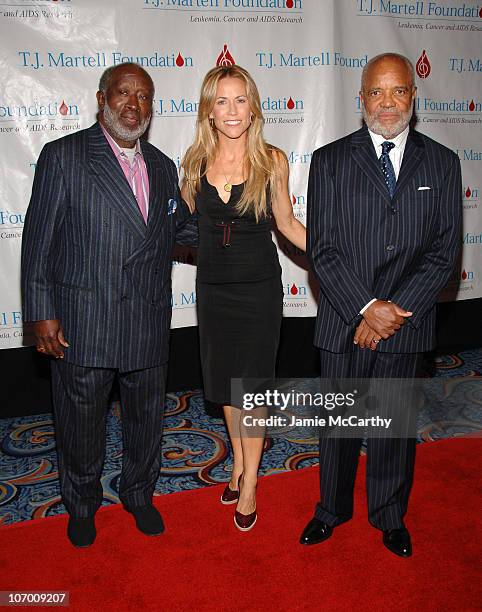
(387, 167)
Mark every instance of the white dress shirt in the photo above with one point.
(396, 154)
(396, 157)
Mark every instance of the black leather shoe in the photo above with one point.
(148, 519)
(398, 542)
(81, 531)
(315, 532)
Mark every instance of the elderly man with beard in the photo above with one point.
(384, 210)
(96, 264)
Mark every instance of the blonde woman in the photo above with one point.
(237, 182)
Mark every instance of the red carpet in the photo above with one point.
(203, 563)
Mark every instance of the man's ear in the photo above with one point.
(100, 99)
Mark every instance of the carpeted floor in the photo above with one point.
(203, 563)
(195, 451)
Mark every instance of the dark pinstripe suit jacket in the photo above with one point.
(89, 259)
(363, 245)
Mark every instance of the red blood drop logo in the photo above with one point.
(179, 60)
(64, 109)
(290, 104)
(294, 289)
(472, 107)
(423, 66)
(293, 200)
(468, 193)
(289, 3)
(225, 58)
(464, 275)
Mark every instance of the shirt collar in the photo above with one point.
(118, 152)
(399, 141)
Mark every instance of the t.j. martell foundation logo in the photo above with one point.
(423, 66)
(298, 200)
(225, 58)
(39, 110)
(293, 290)
(467, 275)
(295, 295)
(64, 109)
(471, 198)
(180, 61)
(471, 194)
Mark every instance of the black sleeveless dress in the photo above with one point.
(239, 294)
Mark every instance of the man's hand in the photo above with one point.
(385, 318)
(49, 336)
(366, 337)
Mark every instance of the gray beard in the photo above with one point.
(120, 131)
(394, 130)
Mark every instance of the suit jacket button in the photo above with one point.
(390, 247)
(125, 267)
(124, 298)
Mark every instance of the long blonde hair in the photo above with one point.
(259, 158)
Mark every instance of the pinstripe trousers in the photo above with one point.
(80, 397)
(390, 461)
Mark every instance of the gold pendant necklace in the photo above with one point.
(228, 185)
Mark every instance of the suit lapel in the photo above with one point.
(412, 158)
(111, 181)
(363, 153)
(154, 173)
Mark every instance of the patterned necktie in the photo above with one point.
(137, 180)
(387, 167)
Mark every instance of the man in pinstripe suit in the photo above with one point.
(384, 209)
(96, 268)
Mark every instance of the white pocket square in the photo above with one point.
(424, 188)
(171, 206)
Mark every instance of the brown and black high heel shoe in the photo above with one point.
(245, 522)
(229, 496)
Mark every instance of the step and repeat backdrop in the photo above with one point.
(306, 57)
